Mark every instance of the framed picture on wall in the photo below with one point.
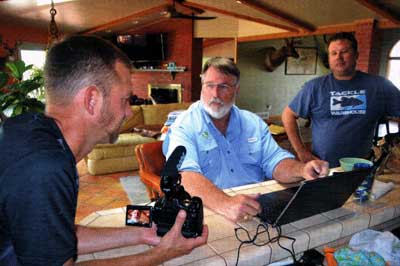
(306, 64)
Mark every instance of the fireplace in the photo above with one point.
(165, 93)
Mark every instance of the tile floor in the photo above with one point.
(99, 192)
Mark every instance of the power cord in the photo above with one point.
(263, 228)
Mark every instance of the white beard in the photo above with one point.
(221, 111)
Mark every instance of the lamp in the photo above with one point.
(53, 29)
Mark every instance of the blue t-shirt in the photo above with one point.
(38, 193)
(344, 113)
(246, 154)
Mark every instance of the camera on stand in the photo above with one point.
(175, 198)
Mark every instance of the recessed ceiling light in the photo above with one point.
(238, 1)
(162, 13)
(135, 22)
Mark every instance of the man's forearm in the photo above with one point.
(288, 171)
(148, 258)
(289, 122)
(92, 239)
(198, 185)
(234, 208)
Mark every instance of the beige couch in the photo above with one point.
(120, 156)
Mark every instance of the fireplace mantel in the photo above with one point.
(172, 72)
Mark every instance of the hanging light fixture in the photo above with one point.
(53, 29)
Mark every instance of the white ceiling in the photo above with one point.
(246, 20)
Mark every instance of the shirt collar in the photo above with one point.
(233, 130)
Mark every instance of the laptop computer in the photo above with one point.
(310, 197)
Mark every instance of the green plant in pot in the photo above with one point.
(17, 95)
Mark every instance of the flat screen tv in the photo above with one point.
(143, 48)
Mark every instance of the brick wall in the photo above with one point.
(13, 33)
(180, 51)
(369, 39)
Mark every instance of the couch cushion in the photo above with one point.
(112, 165)
(136, 119)
(157, 113)
(127, 139)
(111, 152)
(125, 146)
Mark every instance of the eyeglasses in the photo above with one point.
(222, 87)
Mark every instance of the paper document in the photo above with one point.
(276, 130)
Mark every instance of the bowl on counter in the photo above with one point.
(347, 163)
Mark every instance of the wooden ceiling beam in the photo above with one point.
(386, 24)
(240, 16)
(331, 29)
(279, 15)
(207, 42)
(380, 10)
(134, 16)
(348, 27)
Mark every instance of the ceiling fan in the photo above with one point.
(179, 4)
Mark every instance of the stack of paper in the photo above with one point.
(276, 130)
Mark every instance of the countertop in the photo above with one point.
(333, 228)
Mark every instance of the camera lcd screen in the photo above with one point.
(137, 215)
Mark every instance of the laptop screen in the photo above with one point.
(310, 197)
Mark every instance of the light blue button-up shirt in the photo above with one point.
(246, 154)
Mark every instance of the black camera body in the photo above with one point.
(165, 212)
(176, 198)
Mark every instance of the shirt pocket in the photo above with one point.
(250, 152)
(208, 154)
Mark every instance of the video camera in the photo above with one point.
(175, 198)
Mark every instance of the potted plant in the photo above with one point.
(18, 95)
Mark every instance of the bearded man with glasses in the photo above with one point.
(228, 147)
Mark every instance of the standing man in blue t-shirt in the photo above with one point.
(228, 147)
(344, 107)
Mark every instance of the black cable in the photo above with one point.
(279, 230)
(263, 228)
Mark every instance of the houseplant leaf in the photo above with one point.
(19, 96)
(3, 79)
(18, 68)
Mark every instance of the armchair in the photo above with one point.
(151, 161)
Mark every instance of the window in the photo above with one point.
(34, 54)
(394, 65)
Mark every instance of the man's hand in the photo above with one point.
(241, 207)
(314, 169)
(305, 156)
(149, 235)
(174, 244)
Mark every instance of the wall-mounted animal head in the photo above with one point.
(322, 50)
(275, 57)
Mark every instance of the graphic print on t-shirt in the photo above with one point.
(348, 102)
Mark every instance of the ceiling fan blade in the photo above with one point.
(203, 18)
(184, 16)
(175, 13)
